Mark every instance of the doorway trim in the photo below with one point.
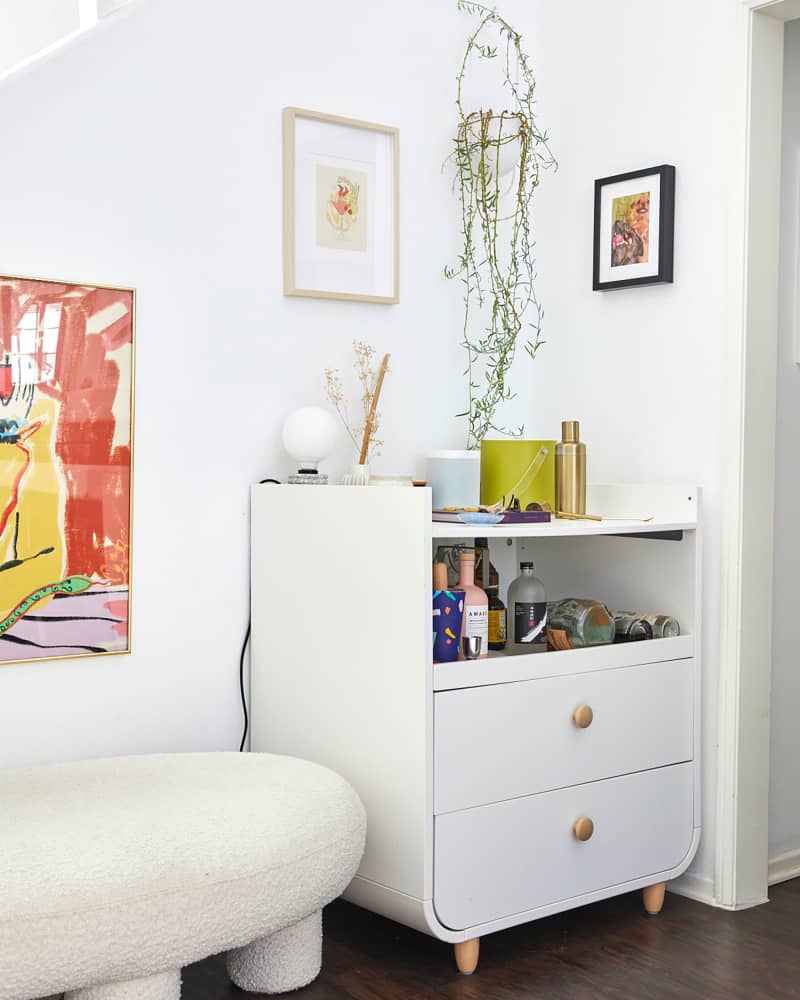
(742, 808)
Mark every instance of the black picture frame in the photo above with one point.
(666, 229)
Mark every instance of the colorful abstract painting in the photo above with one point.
(630, 229)
(66, 402)
(634, 228)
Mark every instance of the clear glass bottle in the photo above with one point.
(586, 622)
(448, 554)
(476, 603)
(635, 625)
(527, 612)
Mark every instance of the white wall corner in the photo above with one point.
(701, 889)
(697, 887)
(106, 7)
(783, 867)
(783, 10)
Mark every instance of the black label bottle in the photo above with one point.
(527, 612)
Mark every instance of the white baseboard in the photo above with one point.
(783, 867)
(696, 887)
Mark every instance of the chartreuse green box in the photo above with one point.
(521, 467)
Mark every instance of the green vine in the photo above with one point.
(496, 264)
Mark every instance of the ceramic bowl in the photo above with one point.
(479, 517)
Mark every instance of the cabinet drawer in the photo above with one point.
(509, 857)
(506, 740)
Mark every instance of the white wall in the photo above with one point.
(26, 26)
(169, 179)
(784, 812)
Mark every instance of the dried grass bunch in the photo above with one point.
(362, 434)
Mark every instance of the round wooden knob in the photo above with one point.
(582, 716)
(583, 828)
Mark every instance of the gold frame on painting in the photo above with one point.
(133, 293)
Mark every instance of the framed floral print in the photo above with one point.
(340, 205)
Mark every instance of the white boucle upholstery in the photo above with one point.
(165, 986)
(113, 871)
(286, 960)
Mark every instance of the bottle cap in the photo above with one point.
(570, 431)
(467, 554)
(526, 565)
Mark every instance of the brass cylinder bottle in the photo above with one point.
(570, 470)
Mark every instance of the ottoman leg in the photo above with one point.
(162, 986)
(285, 961)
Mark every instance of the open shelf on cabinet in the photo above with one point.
(560, 528)
(671, 510)
(505, 668)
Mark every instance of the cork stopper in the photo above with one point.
(440, 576)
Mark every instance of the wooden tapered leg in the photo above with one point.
(653, 897)
(467, 955)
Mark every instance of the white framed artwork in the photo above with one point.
(340, 207)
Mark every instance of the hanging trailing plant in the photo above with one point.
(494, 150)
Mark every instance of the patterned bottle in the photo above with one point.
(476, 603)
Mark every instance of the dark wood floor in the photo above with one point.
(609, 950)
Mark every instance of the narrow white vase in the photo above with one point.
(358, 476)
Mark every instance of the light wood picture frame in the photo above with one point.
(341, 208)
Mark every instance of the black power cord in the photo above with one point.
(246, 724)
(241, 688)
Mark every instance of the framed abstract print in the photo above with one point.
(634, 223)
(340, 208)
(66, 409)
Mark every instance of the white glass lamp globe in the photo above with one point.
(309, 435)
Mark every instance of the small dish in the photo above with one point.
(479, 517)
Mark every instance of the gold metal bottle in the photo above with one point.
(570, 470)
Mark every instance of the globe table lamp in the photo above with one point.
(309, 436)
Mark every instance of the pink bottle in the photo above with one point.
(476, 603)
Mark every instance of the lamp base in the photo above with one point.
(309, 479)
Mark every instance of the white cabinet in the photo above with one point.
(473, 774)
(513, 857)
(506, 740)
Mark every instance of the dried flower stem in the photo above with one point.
(363, 435)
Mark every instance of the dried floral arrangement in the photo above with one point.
(496, 263)
(362, 434)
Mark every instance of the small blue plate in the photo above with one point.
(479, 517)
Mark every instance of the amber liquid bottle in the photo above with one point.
(485, 572)
(498, 621)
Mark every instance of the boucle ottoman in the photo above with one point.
(116, 873)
